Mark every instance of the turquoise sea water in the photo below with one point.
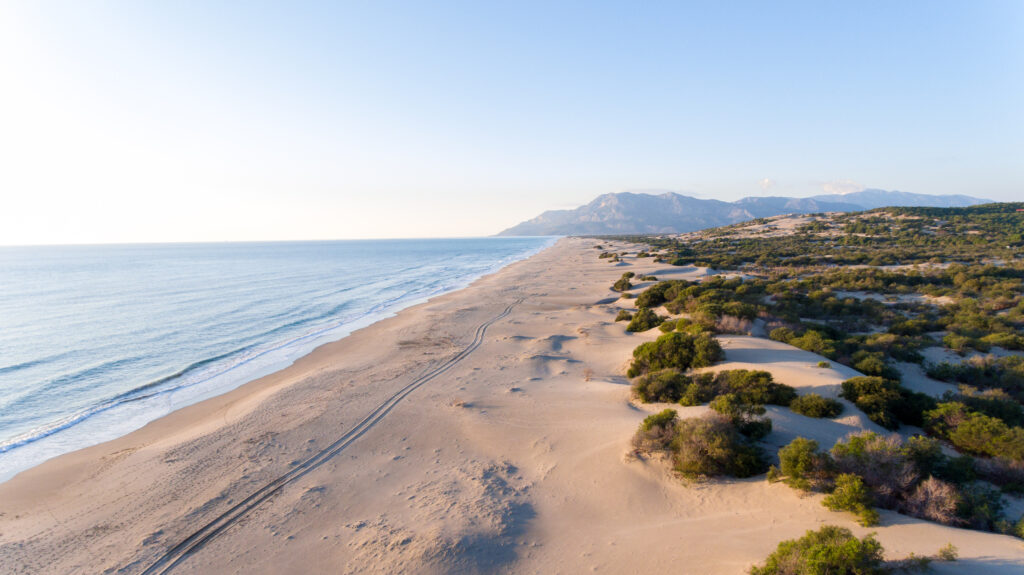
(96, 341)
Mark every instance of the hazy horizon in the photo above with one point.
(209, 122)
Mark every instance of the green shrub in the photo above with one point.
(754, 386)
(627, 275)
(815, 342)
(981, 506)
(912, 406)
(665, 385)
(743, 415)
(993, 402)
(622, 284)
(827, 551)
(801, 465)
(656, 432)
(975, 432)
(852, 495)
(623, 315)
(814, 405)
(679, 350)
(701, 389)
(643, 320)
(949, 552)
(824, 365)
(655, 295)
(750, 386)
(883, 462)
(712, 446)
(668, 325)
(873, 363)
(660, 419)
(876, 397)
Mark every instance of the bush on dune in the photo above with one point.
(881, 461)
(712, 446)
(852, 495)
(802, 466)
(814, 405)
(885, 402)
(828, 550)
(755, 386)
(665, 386)
(643, 320)
(679, 350)
(623, 315)
(656, 432)
(745, 417)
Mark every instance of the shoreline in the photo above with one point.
(509, 457)
(75, 431)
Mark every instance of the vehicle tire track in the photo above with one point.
(200, 537)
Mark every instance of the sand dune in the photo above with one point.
(510, 454)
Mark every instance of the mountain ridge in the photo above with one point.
(671, 212)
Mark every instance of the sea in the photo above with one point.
(97, 341)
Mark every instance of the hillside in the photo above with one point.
(641, 213)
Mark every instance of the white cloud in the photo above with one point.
(842, 187)
(766, 184)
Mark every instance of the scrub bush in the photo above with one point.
(828, 550)
(643, 320)
(814, 405)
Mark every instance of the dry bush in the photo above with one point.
(656, 432)
(1005, 473)
(733, 324)
(883, 463)
(934, 500)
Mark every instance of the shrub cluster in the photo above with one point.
(623, 284)
(835, 550)
(885, 402)
(975, 432)
(915, 478)
(990, 372)
(713, 446)
(830, 549)
(749, 387)
(643, 320)
(814, 405)
(744, 416)
(850, 494)
(679, 350)
(700, 447)
(623, 315)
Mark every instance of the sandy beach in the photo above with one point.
(486, 430)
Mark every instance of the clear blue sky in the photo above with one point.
(198, 120)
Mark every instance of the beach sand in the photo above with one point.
(487, 430)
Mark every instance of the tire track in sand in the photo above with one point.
(200, 537)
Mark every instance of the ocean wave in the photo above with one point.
(286, 340)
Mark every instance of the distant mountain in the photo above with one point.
(669, 212)
(871, 198)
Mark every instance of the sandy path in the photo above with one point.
(510, 460)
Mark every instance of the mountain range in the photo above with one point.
(669, 212)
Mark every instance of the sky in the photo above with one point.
(128, 121)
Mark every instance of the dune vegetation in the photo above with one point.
(872, 291)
